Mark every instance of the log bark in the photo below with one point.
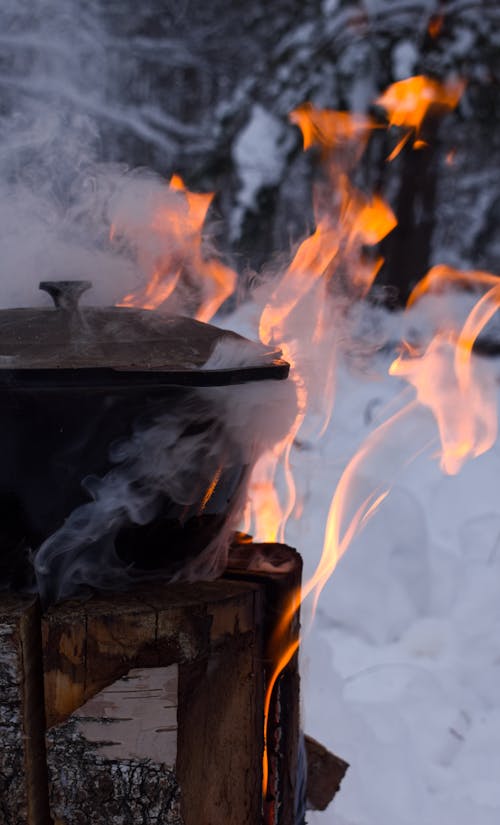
(197, 758)
(277, 569)
(23, 785)
(325, 772)
(113, 760)
(154, 703)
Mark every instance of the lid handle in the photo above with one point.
(65, 294)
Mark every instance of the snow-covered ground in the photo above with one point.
(400, 666)
(401, 669)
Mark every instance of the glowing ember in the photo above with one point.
(435, 26)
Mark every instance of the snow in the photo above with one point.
(259, 154)
(401, 668)
(404, 58)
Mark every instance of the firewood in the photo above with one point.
(154, 702)
(325, 772)
(154, 706)
(23, 784)
(278, 570)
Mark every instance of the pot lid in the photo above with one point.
(124, 343)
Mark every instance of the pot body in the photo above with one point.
(151, 473)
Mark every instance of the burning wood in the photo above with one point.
(138, 723)
(136, 726)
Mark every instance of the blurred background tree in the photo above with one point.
(204, 89)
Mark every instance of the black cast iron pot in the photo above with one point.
(116, 458)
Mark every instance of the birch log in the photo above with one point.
(23, 785)
(154, 706)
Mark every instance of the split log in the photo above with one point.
(277, 569)
(23, 785)
(113, 760)
(153, 703)
(154, 706)
(325, 772)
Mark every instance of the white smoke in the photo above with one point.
(163, 472)
(59, 206)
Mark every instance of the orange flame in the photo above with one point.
(338, 537)
(407, 103)
(465, 421)
(464, 405)
(155, 293)
(297, 309)
(176, 264)
(330, 129)
(268, 515)
(435, 26)
(441, 276)
(297, 316)
(342, 229)
(462, 401)
(210, 490)
(457, 404)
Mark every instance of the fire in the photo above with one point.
(210, 489)
(267, 515)
(344, 225)
(171, 255)
(461, 399)
(407, 103)
(442, 276)
(298, 314)
(435, 26)
(264, 496)
(460, 402)
(329, 129)
(464, 405)
(155, 293)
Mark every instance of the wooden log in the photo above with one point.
(154, 706)
(154, 703)
(113, 760)
(277, 569)
(23, 784)
(325, 772)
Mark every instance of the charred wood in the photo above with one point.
(278, 570)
